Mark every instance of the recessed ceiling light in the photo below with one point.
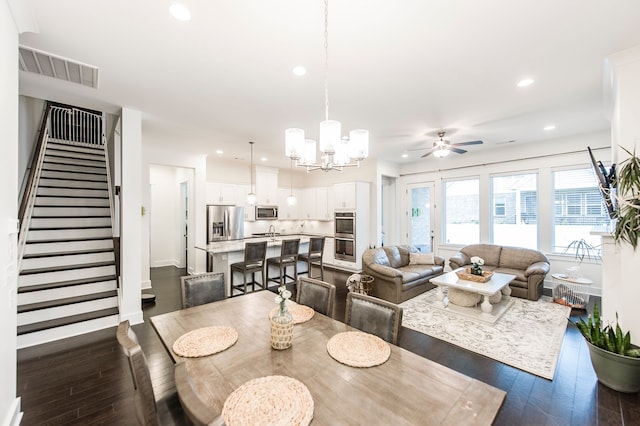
(299, 70)
(263, 159)
(180, 12)
(549, 127)
(219, 151)
(525, 82)
(405, 155)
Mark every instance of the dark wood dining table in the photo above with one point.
(406, 389)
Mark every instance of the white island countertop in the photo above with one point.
(238, 245)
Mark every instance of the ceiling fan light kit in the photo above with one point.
(441, 147)
(338, 151)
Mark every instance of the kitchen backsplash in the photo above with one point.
(289, 227)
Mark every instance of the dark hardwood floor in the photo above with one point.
(85, 380)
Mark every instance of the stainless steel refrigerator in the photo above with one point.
(225, 223)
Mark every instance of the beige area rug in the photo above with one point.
(528, 336)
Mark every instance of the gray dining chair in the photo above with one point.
(316, 294)
(144, 398)
(197, 411)
(202, 288)
(374, 316)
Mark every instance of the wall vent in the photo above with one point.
(43, 63)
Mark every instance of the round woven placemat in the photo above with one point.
(205, 341)
(271, 400)
(358, 349)
(300, 313)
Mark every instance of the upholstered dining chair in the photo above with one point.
(374, 316)
(313, 256)
(144, 399)
(255, 255)
(197, 411)
(202, 288)
(316, 294)
(288, 257)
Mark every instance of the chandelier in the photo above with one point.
(337, 151)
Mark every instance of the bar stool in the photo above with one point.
(254, 261)
(288, 257)
(314, 256)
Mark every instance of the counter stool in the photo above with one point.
(254, 261)
(288, 257)
(314, 256)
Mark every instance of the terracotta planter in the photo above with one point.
(619, 372)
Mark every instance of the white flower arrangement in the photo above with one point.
(281, 298)
(476, 260)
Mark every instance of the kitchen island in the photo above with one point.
(221, 254)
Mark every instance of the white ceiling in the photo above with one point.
(401, 69)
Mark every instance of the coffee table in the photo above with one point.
(486, 311)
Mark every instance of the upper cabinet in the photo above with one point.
(314, 204)
(223, 193)
(285, 211)
(350, 195)
(266, 185)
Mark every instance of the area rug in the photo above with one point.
(528, 336)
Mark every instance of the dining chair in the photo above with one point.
(197, 411)
(288, 257)
(313, 256)
(255, 255)
(316, 294)
(374, 316)
(144, 398)
(202, 288)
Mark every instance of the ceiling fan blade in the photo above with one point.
(458, 150)
(419, 149)
(427, 154)
(467, 143)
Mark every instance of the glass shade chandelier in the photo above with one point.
(337, 151)
(251, 196)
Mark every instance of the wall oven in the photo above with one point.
(345, 225)
(345, 249)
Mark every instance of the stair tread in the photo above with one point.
(59, 322)
(67, 228)
(72, 196)
(68, 283)
(66, 253)
(65, 268)
(66, 301)
(65, 240)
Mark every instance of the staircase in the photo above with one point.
(67, 283)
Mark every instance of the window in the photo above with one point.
(515, 210)
(462, 212)
(578, 208)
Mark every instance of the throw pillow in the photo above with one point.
(421, 259)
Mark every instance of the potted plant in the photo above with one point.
(615, 359)
(627, 227)
(581, 249)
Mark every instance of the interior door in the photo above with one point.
(420, 216)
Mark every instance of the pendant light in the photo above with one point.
(291, 199)
(251, 197)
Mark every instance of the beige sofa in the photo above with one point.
(529, 266)
(396, 280)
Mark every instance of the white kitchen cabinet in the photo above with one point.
(223, 193)
(285, 211)
(249, 211)
(345, 196)
(323, 208)
(329, 251)
(266, 186)
(308, 204)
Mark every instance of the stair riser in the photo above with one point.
(58, 333)
(70, 222)
(59, 276)
(63, 201)
(62, 159)
(71, 211)
(73, 168)
(68, 192)
(48, 314)
(64, 183)
(92, 156)
(68, 260)
(62, 234)
(73, 147)
(36, 248)
(73, 176)
(64, 292)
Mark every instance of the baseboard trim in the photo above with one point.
(14, 415)
(145, 284)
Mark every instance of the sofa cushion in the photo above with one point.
(378, 256)
(393, 254)
(420, 271)
(520, 258)
(488, 252)
(421, 259)
(519, 273)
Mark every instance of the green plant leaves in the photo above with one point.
(628, 214)
(608, 338)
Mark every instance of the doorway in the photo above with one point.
(420, 216)
(184, 209)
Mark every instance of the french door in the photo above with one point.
(420, 215)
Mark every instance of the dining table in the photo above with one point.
(406, 389)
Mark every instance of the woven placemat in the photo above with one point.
(205, 341)
(300, 313)
(271, 400)
(358, 349)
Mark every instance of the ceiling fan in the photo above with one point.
(442, 148)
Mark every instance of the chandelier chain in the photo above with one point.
(326, 59)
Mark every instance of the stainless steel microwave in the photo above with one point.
(266, 212)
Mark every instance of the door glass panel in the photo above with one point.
(420, 218)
